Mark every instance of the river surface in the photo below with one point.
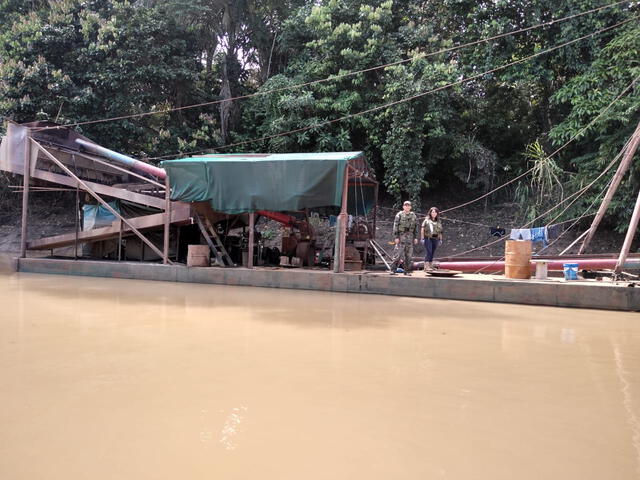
(121, 379)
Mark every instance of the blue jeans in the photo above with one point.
(430, 245)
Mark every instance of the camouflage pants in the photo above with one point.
(403, 251)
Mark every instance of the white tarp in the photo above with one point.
(12, 149)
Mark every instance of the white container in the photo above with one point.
(542, 269)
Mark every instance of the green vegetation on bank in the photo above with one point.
(80, 60)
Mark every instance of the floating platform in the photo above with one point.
(477, 288)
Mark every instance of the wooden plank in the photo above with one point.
(102, 189)
(180, 214)
(103, 202)
(139, 188)
(626, 246)
(575, 241)
(617, 178)
(77, 163)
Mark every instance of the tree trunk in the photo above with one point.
(225, 107)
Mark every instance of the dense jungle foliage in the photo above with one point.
(80, 60)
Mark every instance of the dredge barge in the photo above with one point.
(136, 220)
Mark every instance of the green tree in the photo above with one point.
(75, 61)
(584, 97)
(335, 37)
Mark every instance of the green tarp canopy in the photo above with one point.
(251, 182)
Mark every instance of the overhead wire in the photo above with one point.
(455, 220)
(403, 100)
(340, 75)
(332, 78)
(555, 152)
(584, 189)
(577, 194)
(390, 104)
(635, 80)
(466, 222)
(578, 134)
(576, 220)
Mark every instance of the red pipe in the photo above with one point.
(278, 217)
(498, 266)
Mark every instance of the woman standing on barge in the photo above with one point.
(431, 234)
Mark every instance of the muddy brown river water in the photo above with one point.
(119, 379)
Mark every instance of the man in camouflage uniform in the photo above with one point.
(405, 232)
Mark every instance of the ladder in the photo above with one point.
(215, 244)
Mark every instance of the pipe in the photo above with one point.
(278, 217)
(498, 266)
(123, 159)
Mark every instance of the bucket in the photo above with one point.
(570, 271)
(517, 259)
(198, 256)
(284, 261)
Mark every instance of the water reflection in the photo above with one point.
(628, 402)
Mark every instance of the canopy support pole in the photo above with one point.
(77, 215)
(341, 228)
(167, 220)
(25, 193)
(375, 210)
(252, 224)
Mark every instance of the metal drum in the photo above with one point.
(517, 259)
